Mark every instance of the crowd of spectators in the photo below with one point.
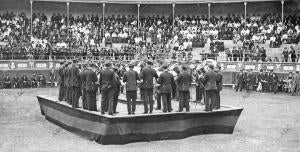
(60, 36)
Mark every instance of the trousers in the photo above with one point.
(148, 99)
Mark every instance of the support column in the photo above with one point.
(68, 14)
(245, 4)
(138, 19)
(282, 11)
(173, 13)
(208, 13)
(103, 18)
(31, 26)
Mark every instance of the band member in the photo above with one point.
(184, 81)
(83, 86)
(117, 88)
(210, 85)
(130, 78)
(199, 85)
(219, 87)
(106, 88)
(61, 82)
(249, 78)
(166, 81)
(67, 82)
(147, 75)
(75, 84)
(7, 82)
(264, 81)
(90, 79)
(52, 77)
(240, 81)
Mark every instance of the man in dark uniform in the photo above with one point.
(199, 85)
(147, 75)
(7, 82)
(264, 81)
(249, 79)
(274, 82)
(67, 82)
(83, 86)
(16, 81)
(106, 88)
(33, 81)
(52, 76)
(61, 82)
(184, 81)
(75, 84)
(240, 81)
(210, 86)
(117, 88)
(259, 80)
(166, 81)
(90, 77)
(24, 81)
(130, 78)
(219, 87)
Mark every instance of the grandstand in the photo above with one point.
(41, 30)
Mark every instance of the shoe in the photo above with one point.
(116, 112)
(157, 108)
(111, 114)
(102, 113)
(178, 111)
(129, 113)
(150, 112)
(145, 113)
(132, 113)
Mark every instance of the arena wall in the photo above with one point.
(193, 9)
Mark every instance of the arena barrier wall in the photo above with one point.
(229, 69)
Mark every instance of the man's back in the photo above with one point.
(210, 80)
(166, 80)
(147, 75)
(131, 78)
(74, 77)
(184, 81)
(90, 80)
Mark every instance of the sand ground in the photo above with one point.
(268, 123)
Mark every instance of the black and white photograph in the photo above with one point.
(149, 76)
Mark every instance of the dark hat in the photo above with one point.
(211, 66)
(149, 62)
(165, 66)
(261, 70)
(61, 62)
(130, 65)
(184, 67)
(107, 64)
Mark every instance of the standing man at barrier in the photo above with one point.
(130, 78)
(83, 74)
(7, 82)
(240, 81)
(61, 82)
(199, 85)
(147, 75)
(90, 88)
(75, 84)
(106, 88)
(184, 81)
(166, 81)
(219, 87)
(210, 86)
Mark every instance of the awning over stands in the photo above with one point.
(157, 1)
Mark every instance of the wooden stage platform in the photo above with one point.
(122, 128)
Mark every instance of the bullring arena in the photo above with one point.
(116, 75)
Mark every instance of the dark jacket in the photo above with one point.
(240, 78)
(83, 78)
(210, 80)
(166, 80)
(61, 74)
(75, 77)
(106, 78)
(147, 75)
(219, 81)
(90, 80)
(131, 77)
(184, 81)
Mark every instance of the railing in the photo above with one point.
(233, 66)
